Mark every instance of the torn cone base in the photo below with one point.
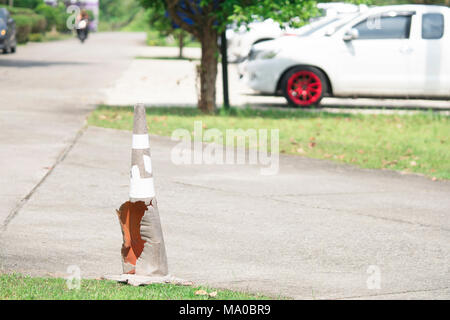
(136, 280)
(143, 250)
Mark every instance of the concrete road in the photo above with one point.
(46, 91)
(315, 230)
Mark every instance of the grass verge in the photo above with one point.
(49, 36)
(19, 287)
(416, 143)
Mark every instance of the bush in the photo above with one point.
(27, 21)
(36, 37)
(27, 3)
(16, 10)
(23, 27)
(51, 14)
(61, 25)
(39, 23)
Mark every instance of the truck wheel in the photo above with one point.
(304, 86)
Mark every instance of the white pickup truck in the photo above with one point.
(387, 51)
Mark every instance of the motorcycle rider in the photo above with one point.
(83, 16)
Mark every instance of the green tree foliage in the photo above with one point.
(56, 16)
(210, 18)
(161, 22)
(118, 13)
(24, 3)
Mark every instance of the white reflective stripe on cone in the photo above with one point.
(147, 163)
(140, 141)
(142, 188)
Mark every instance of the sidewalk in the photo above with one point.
(312, 231)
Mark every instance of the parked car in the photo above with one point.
(240, 40)
(388, 51)
(316, 29)
(8, 41)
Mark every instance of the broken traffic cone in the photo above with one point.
(143, 249)
(144, 259)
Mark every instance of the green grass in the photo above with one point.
(49, 36)
(418, 143)
(19, 287)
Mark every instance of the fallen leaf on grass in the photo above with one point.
(413, 163)
(389, 163)
(300, 150)
(201, 293)
(213, 294)
(312, 144)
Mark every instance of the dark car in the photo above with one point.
(8, 41)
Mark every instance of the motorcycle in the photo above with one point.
(83, 30)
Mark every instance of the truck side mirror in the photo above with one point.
(351, 34)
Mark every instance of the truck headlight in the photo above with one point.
(2, 32)
(270, 54)
(263, 54)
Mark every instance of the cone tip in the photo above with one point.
(139, 106)
(140, 123)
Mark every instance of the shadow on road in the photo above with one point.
(35, 63)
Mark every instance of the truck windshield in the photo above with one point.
(317, 26)
(343, 23)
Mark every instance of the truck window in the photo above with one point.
(385, 27)
(432, 26)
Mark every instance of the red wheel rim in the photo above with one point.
(304, 88)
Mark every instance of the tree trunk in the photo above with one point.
(180, 44)
(208, 71)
